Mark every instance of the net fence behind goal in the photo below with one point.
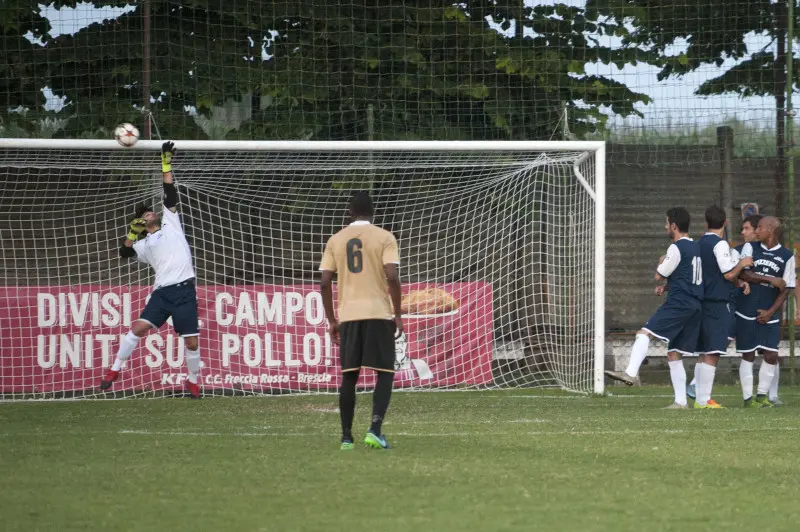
(498, 263)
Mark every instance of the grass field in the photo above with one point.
(511, 460)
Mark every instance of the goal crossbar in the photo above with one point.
(311, 145)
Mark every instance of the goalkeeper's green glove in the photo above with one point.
(138, 225)
(167, 154)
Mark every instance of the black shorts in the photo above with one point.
(367, 344)
(178, 301)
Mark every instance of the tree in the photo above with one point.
(715, 30)
(429, 69)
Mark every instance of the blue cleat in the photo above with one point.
(690, 391)
(375, 441)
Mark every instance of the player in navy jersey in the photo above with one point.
(737, 289)
(771, 278)
(160, 242)
(720, 271)
(677, 321)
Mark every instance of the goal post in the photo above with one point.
(502, 262)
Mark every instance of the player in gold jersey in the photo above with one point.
(365, 258)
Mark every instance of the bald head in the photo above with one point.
(768, 230)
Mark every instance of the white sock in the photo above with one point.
(705, 382)
(765, 375)
(193, 364)
(678, 375)
(773, 389)
(638, 354)
(126, 347)
(746, 378)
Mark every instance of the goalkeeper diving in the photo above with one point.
(160, 242)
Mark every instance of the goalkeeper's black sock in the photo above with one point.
(380, 400)
(347, 402)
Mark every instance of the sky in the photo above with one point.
(674, 104)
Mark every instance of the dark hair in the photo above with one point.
(753, 220)
(715, 217)
(680, 217)
(141, 209)
(361, 204)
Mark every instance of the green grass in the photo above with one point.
(512, 460)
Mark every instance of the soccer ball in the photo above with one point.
(126, 134)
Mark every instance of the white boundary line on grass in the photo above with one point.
(243, 434)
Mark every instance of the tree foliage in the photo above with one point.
(713, 31)
(428, 69)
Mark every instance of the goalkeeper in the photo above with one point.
(160, 242)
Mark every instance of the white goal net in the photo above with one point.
(501, 247)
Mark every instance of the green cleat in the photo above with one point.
(347, 445)
(375, 441)
(764, 402)
(753, 403)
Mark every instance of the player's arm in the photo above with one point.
(789, 281)
(391, 261)
(328, 269)
(137, 227)
(728, 261)
(170, 191)
(756, 278)
(393, 280)
(766, 315)
(670, 263)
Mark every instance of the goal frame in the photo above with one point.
(590, 149)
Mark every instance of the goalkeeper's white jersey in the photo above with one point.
(167, 251)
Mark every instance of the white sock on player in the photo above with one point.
(765, 375)
(678, 375)
(638, 354)
(746, 378)
(126, 347)
(193, 364)
(705, 382)
(773, 389)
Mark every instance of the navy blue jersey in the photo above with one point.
(683, 268)
(715, 255)
(775, 262)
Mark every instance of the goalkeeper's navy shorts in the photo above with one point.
(367, 344)
(178, 301)
(677, 322)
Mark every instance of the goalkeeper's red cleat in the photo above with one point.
(109, 379)
(194, 389)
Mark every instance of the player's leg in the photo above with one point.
(379, 354)
(351, 354)
(182, 299)
(666, 322)
(713, 342)
(773, 389)
(153, 316)
(347, 406)
(705, 371)
(677, 374)
(768, 335)
(684, 343)
(746, 345)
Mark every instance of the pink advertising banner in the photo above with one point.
(256, 338)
